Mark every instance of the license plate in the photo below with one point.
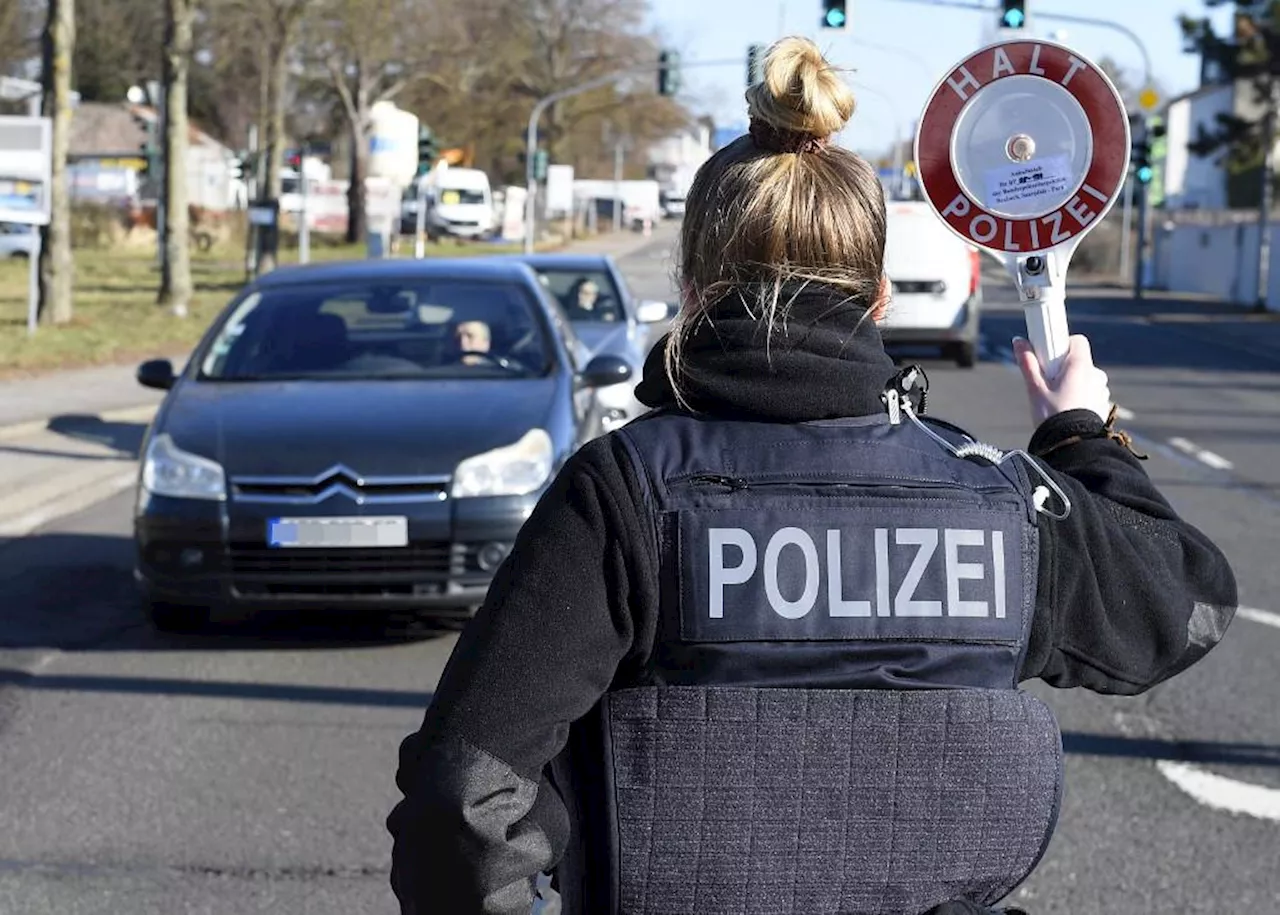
(338, 533)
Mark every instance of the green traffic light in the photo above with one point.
(835, 18)
(1145, 174)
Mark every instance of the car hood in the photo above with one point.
(375, 428)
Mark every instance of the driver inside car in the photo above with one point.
(472, 337)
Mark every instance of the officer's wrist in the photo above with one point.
(1065, 427)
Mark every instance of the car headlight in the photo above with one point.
(167, 470)
(513, 470)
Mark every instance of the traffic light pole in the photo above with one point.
(1140, 261)
(531, 134)
(1061, 17)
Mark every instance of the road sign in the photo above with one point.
(1148, 98)
(1023, 147)
(26, 164)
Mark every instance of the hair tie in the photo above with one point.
(771, 139)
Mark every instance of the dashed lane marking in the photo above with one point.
(1222, 793)
(1216, 461)
(1265, 617)
(1218, 792)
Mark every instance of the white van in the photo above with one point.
(460, 204)
(937, 284)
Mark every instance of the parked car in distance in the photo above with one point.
(608, 319)
(17, 240)
(366, 435)
(937, 284)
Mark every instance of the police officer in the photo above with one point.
(759, 650)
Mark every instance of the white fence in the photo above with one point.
(1214, 253)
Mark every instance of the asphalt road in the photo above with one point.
(251, 770)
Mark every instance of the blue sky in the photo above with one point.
(893, 86)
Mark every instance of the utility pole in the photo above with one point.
(1264, 208)
(304, 227)
(251, 251)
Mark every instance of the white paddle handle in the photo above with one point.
(1047, 331)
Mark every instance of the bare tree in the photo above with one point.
(274, 25)
(58, 45)
(372, 50)
(175, 282)
(117, 47)
(491, 60)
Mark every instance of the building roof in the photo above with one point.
(104, 128)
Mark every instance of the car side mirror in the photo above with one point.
(157, 373)
(651, 312)
(603, 371)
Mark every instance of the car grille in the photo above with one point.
(339, 479)
(434, 559)
(421, 569)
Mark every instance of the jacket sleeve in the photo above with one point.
(1129, 593)
(478, 821)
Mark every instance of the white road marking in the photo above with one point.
(1222, 793)
(1265, 617)
(1217, 462)
(1217, 791)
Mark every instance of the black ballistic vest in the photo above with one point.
(830, 723)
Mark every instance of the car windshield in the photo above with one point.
(452, 196)
(585, 295)
(412, 329)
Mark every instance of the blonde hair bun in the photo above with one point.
(800, 91)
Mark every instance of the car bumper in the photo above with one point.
(216, 555)
(963, 330)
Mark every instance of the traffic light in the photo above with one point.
(428, 149)
(755, 64)
(1013, 14)
(540, 165)
(668, 73)
(835, 14)
(1140, 149)
(236, 168)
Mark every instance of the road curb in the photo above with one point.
(121, 415)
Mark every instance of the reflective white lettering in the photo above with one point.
(1008, 238)
(903, 603)
(791, 609)
(1076, 66)
(1094, 192)
(836, 604)
(1077, 208)
(1000, 64)
(958, 571)
(1036, 69)
(980, 235)
(1058, 235)
(1035, 235)
(957, 207)
(933, 569)
(968, 81)
(721, 575)
(882, 572)
(997, 552)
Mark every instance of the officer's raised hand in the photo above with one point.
(1080, 384)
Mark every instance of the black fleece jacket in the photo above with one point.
(1128, 596)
